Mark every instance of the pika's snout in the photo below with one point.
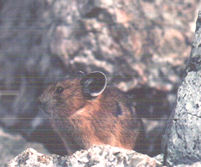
(44, 101)
(43, 106)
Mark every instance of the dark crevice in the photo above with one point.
(194, 115)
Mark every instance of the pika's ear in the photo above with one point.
(93, 84)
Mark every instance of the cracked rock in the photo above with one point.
(182, 141)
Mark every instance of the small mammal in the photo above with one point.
(85, 112)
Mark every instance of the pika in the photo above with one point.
(84, 111)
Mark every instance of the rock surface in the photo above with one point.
(196, 164)
(11, 145)
(99, 156)
(182, 139)
(138, 44)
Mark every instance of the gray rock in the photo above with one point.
(99, 156)
(11, 145)
(196, 164)
(159, 157)
(182, 141)
(116, 37)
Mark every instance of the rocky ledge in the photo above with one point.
(96, 156)
(99, 156)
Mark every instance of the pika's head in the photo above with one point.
(71, 94)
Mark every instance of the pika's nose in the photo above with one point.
(43, 106)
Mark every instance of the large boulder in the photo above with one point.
(182, 141)
(133, 42)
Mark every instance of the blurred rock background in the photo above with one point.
(142, 46)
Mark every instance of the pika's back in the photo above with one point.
(85, 112)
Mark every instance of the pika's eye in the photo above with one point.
(59, 90)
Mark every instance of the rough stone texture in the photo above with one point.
(101, 35)
(138, 44)
(196, 164)
(182, 141)
(11, 145)
(99, 156)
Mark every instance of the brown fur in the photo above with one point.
(82, 122)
